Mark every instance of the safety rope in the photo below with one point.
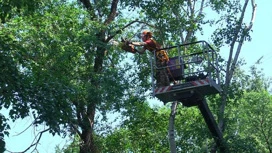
(169, 71)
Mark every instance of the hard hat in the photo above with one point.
(147, 33)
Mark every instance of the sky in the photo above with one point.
(261, 45)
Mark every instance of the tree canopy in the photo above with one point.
(59, 65)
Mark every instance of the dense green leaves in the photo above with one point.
(57, 64)
(52, 62)
(4, 127)
(11, 8)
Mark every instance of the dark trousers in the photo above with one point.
(161, 73)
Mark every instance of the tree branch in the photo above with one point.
(231, 65)
(34, 143)
(254, 7)
(87, 4)
(201, 8)
(237, 29)
(76, 129)
(190, 5)
(248, 28)
(129, 24)
(25, 128)
(98, 9)
(191, 18)
(112, 12)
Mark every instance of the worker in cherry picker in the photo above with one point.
(161, 57)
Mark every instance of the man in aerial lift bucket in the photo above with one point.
(161, 57)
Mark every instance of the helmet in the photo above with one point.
(147, 33)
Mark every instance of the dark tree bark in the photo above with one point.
(86, 114)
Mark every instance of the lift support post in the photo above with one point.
(211, 123)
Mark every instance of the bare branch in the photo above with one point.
(25, 129)
(112, 12)
(238, 50)
(194, 2)
(184, 10)
(231, 65)
(201, 8)
(190, 5)
(33, 143)
(254, 7)
(237, 29)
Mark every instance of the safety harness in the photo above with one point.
(162, 56)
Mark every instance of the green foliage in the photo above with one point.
(71, 148)
(192, 132)
(12, 8)
(56, 64)
(218, 5)
(46, 57)
(257, 108)
(143, 130)
(170, 18)
(255, 118)
(48, 60)
(257, 82)
(230, 24)
(4, 127)
(248, 101)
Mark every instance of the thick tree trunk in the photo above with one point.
(86, 135)
(86, 123)
(88, 143)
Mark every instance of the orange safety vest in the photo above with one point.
(153, 45)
